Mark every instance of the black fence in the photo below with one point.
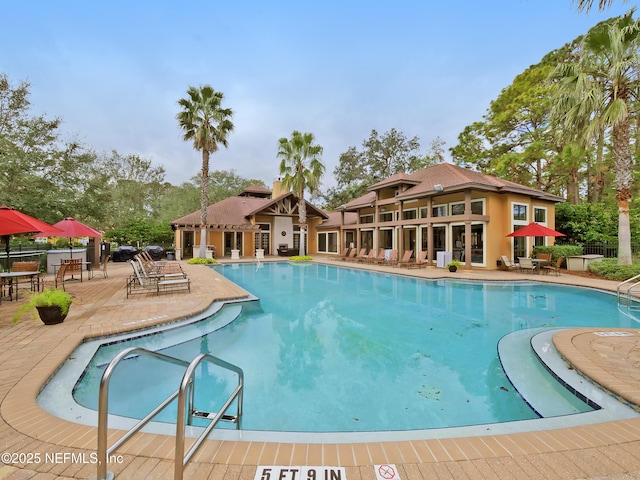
(607, 249)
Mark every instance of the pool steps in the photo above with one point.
(534, 368)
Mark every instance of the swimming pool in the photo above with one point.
(344, 350)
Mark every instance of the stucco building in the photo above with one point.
(446, 210)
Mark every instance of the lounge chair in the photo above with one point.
(554, 268)
(138, 283)
(158, 266)
(374, 255)
(343, 255)
(158, 273)
(361, 254)
(406, 258)
(507, 265)
(388, 260)
(526, 265)
(351, 254)
(419, 261)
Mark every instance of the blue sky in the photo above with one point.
(114, 71)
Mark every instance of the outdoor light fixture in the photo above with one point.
(438, 187)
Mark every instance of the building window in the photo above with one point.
(328, 242)
(477, 207)
(366, 218)
(457, 209)
(519, 212)
(540, 215)
(386, 216)
(439, 211)
(520, 244)
(423, 212)
(296, 238)
(410, 214)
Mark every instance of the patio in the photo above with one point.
(31, 352)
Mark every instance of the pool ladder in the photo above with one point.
(186, 410)
(628, 293)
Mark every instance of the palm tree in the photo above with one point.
(585, 5)
(207, 124)
(597, 94)
(302, 169)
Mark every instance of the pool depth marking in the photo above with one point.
(274, 472)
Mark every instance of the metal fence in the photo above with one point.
(607, 249)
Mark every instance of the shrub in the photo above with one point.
(201, 261)
(558, 251)
(608, 268)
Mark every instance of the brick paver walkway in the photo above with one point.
(30, 352)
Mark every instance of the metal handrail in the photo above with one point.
(187, 383)
(629, 289)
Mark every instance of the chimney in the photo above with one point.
(277, 189)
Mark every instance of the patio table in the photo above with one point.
(12, 279)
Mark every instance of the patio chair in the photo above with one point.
(507, 265)
(554, 268)
(406, 258)
(158, 273)
(103, 266)
(345, 252)
(352, 254)
(362, 254)
(137, 283)
(74, 266)
(158, 266)
(391, 259)
(34, 284)
(419, 261)
(544, 256)
(58, 279)
(374, 255)
(526, 265)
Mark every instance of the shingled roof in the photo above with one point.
(237, 211)
(452, 178)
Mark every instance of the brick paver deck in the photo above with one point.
(31, 352)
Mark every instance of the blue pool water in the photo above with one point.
(334, 349)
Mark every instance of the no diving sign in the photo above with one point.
(386, 472)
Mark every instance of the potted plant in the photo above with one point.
(51, 305)
(453, 265)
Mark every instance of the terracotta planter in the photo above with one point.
(51, 315)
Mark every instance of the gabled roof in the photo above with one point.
(237, 211)
(450, 178)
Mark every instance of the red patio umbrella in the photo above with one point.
(70, 227)
(535, 230)
(13, 222)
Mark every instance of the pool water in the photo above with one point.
(335, 349)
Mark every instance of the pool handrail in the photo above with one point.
(628, 294)
(187, 384)
(103, 451)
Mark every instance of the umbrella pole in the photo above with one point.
(6, 249)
